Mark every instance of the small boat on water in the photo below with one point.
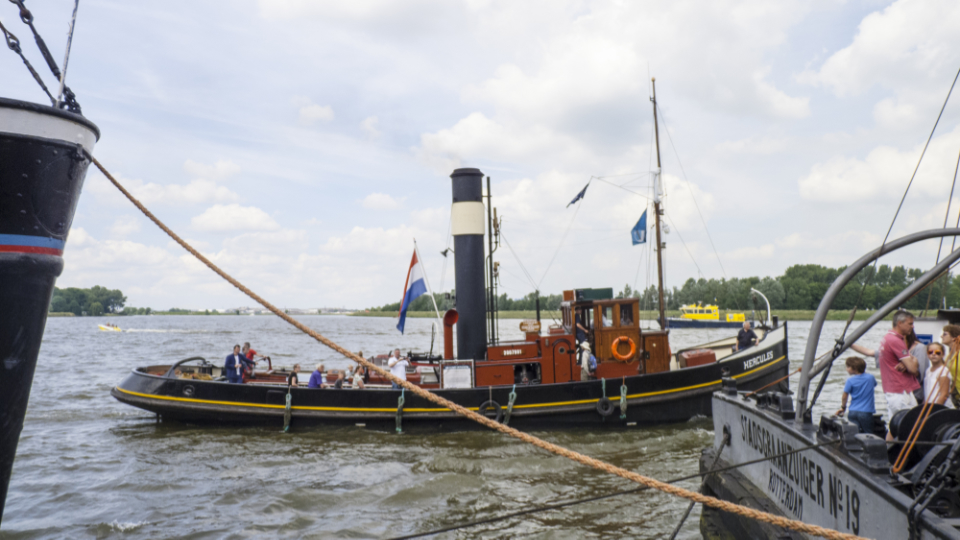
(109, 328)
(705, 316)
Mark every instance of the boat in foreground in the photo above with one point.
(848, 483)
(43, 161)
(532, 382)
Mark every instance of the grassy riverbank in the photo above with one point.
(785, 315)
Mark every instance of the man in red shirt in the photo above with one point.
(898, 369)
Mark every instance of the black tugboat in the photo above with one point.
(535, 382)
(43, 161)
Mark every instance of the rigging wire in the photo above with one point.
(562, 239)
(529, 277)
(685, 179)
(899, 207)
(621, 187)
(14, 44)
(66, 55)
(943, 288)
(680, 236)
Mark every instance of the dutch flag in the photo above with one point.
(416, 286)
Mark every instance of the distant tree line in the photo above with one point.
(94, 301)
(801, 287)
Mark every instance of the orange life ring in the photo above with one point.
(616, 353)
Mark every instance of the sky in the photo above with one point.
(303, 145)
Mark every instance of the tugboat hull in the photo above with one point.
(672, 396)
(843, 486)
(42, 167)
(693, 323)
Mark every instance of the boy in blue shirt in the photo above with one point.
(859, 388)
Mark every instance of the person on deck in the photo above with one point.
(358, 375)
(898, 369)
(588, 363)
(316, 378)
(292, 379)
(951, 338)
(398, 367)
(859, 388)
(233, 366)
(249, 364)
(580, 320)
(746, 337)
(936, 383)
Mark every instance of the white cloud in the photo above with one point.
(910, 43)
(220, 170)
(763, 251)
(233, 217)
(380, 201)
(369, 126)
(884, 171)
(125, 226)
(310, 113)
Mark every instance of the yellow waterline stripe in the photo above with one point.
(350, 409)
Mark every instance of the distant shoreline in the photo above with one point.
(545, 316)
(784, 315)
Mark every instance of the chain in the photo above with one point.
(14, 44)
(931, 489)
(69, 99)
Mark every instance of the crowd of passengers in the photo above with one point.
(911, 373)
(239, 368)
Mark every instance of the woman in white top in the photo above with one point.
(936, 383)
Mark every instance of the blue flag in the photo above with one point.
(639, 232)
(580, 195)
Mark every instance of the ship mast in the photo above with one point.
(657, 212)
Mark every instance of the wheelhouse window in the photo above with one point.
(607, 316)
(626, 315)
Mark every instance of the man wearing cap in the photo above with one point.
(588, 362)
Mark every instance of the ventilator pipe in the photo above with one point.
(449, 319)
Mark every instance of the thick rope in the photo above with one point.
(744, 511)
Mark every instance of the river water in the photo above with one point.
(90, 467)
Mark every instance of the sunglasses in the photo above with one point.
(936, 352)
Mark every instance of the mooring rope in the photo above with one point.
(478, 418)
(595, 498)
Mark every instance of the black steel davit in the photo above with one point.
(42, 167)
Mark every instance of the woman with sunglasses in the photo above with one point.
(951, 338)
(936, 382)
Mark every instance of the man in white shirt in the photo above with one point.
(398, 367)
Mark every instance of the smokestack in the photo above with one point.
(466, 224)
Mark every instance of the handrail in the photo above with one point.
(769, 322)
(174, 367)
(816, 326)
